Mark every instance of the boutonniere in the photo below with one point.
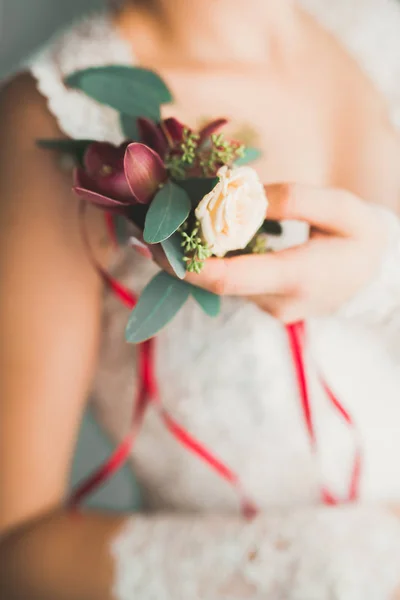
(189, 191)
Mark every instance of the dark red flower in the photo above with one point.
(102, 179)
(208, 130)
(144, 171)
(168, 134)
(117, 177)
(161, 137)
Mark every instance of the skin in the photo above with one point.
(297, 283)
(51, 298)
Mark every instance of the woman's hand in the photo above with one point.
(347, 241)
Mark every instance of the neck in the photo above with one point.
(245, 31)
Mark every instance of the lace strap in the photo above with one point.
(91, 42)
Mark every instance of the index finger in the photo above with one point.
(248, 275)
(331, 210)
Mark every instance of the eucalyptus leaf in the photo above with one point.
(175, 254)
(250, 155)
(198, 187)
(210, 303)
(158, 304)
(132, 91)
(129, 124)
(169, 209)
(75, 148)
(129, 127)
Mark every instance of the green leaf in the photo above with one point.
(168, 210)
(158, 304)
(175, 254)
(129, 123)
(272, 227)
(198, 187)
(75, 148)
(129, 127)
(130, 90)
(250, 155)
(210, 303)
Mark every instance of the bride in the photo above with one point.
(316, 85)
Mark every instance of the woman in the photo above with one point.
(319, 83)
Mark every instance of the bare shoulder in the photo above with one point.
(34, 175)
(31, 180)
(23, 110)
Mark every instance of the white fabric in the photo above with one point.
(93, 42)
(229, 380)
(346, 554)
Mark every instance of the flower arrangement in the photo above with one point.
(190, 192)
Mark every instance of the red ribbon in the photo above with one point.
(297, 336)
(147, 391)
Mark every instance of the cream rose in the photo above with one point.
(231, 214)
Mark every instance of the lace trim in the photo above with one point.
(349, 554)
(92, 42)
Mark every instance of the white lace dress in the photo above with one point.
(230, 380)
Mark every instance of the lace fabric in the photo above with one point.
(91, 42)
(309, 554)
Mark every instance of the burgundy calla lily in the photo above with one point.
(152, 136)
(85, 187)
(169, 133)
(144, 171)
(208, 130)
(173, 129)
(105, 164)
(102, 181)
(161, 137)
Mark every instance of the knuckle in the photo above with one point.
(299, 287)
(290, 196)
(287, 192)
(218, 287)
(277, 312)
(290, 281)
(219, 284)
(281, 312)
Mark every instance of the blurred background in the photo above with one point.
(24, 26)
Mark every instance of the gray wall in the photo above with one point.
(25, 24)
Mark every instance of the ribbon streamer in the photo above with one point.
(297, 337)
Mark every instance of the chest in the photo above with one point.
(319, 120)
